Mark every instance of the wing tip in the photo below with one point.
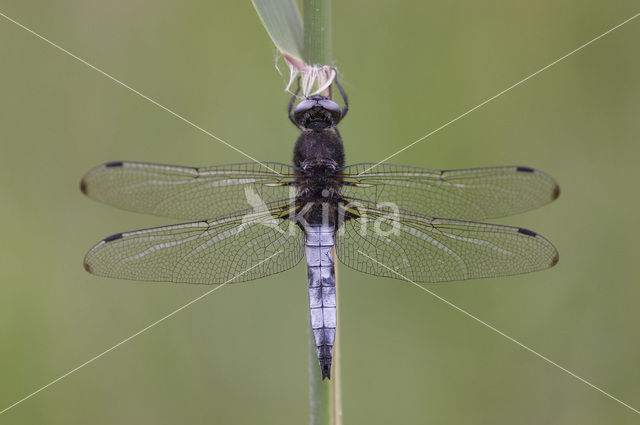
(555, 191)
(556, 256)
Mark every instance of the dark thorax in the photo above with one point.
(318, 157)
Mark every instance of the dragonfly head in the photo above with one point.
(317, 113)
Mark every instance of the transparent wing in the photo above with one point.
(187, 193)
(426, 249)
(473, 193)
(238, 247)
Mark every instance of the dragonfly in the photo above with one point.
(246, 221)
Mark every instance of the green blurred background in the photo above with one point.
(240, 355)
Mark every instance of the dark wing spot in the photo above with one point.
(83, 186)
(555, 193)
(113, 164)
(87, 267)
(525, 169)
(554, 260)
(113, 237)
(527, 232)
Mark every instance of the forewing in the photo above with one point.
(426, 249)
(187, 193)
(228, 249)
(473, 193)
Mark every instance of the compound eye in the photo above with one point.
(330, 106)
(305, 105)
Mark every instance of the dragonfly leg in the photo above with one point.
(344, 97)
